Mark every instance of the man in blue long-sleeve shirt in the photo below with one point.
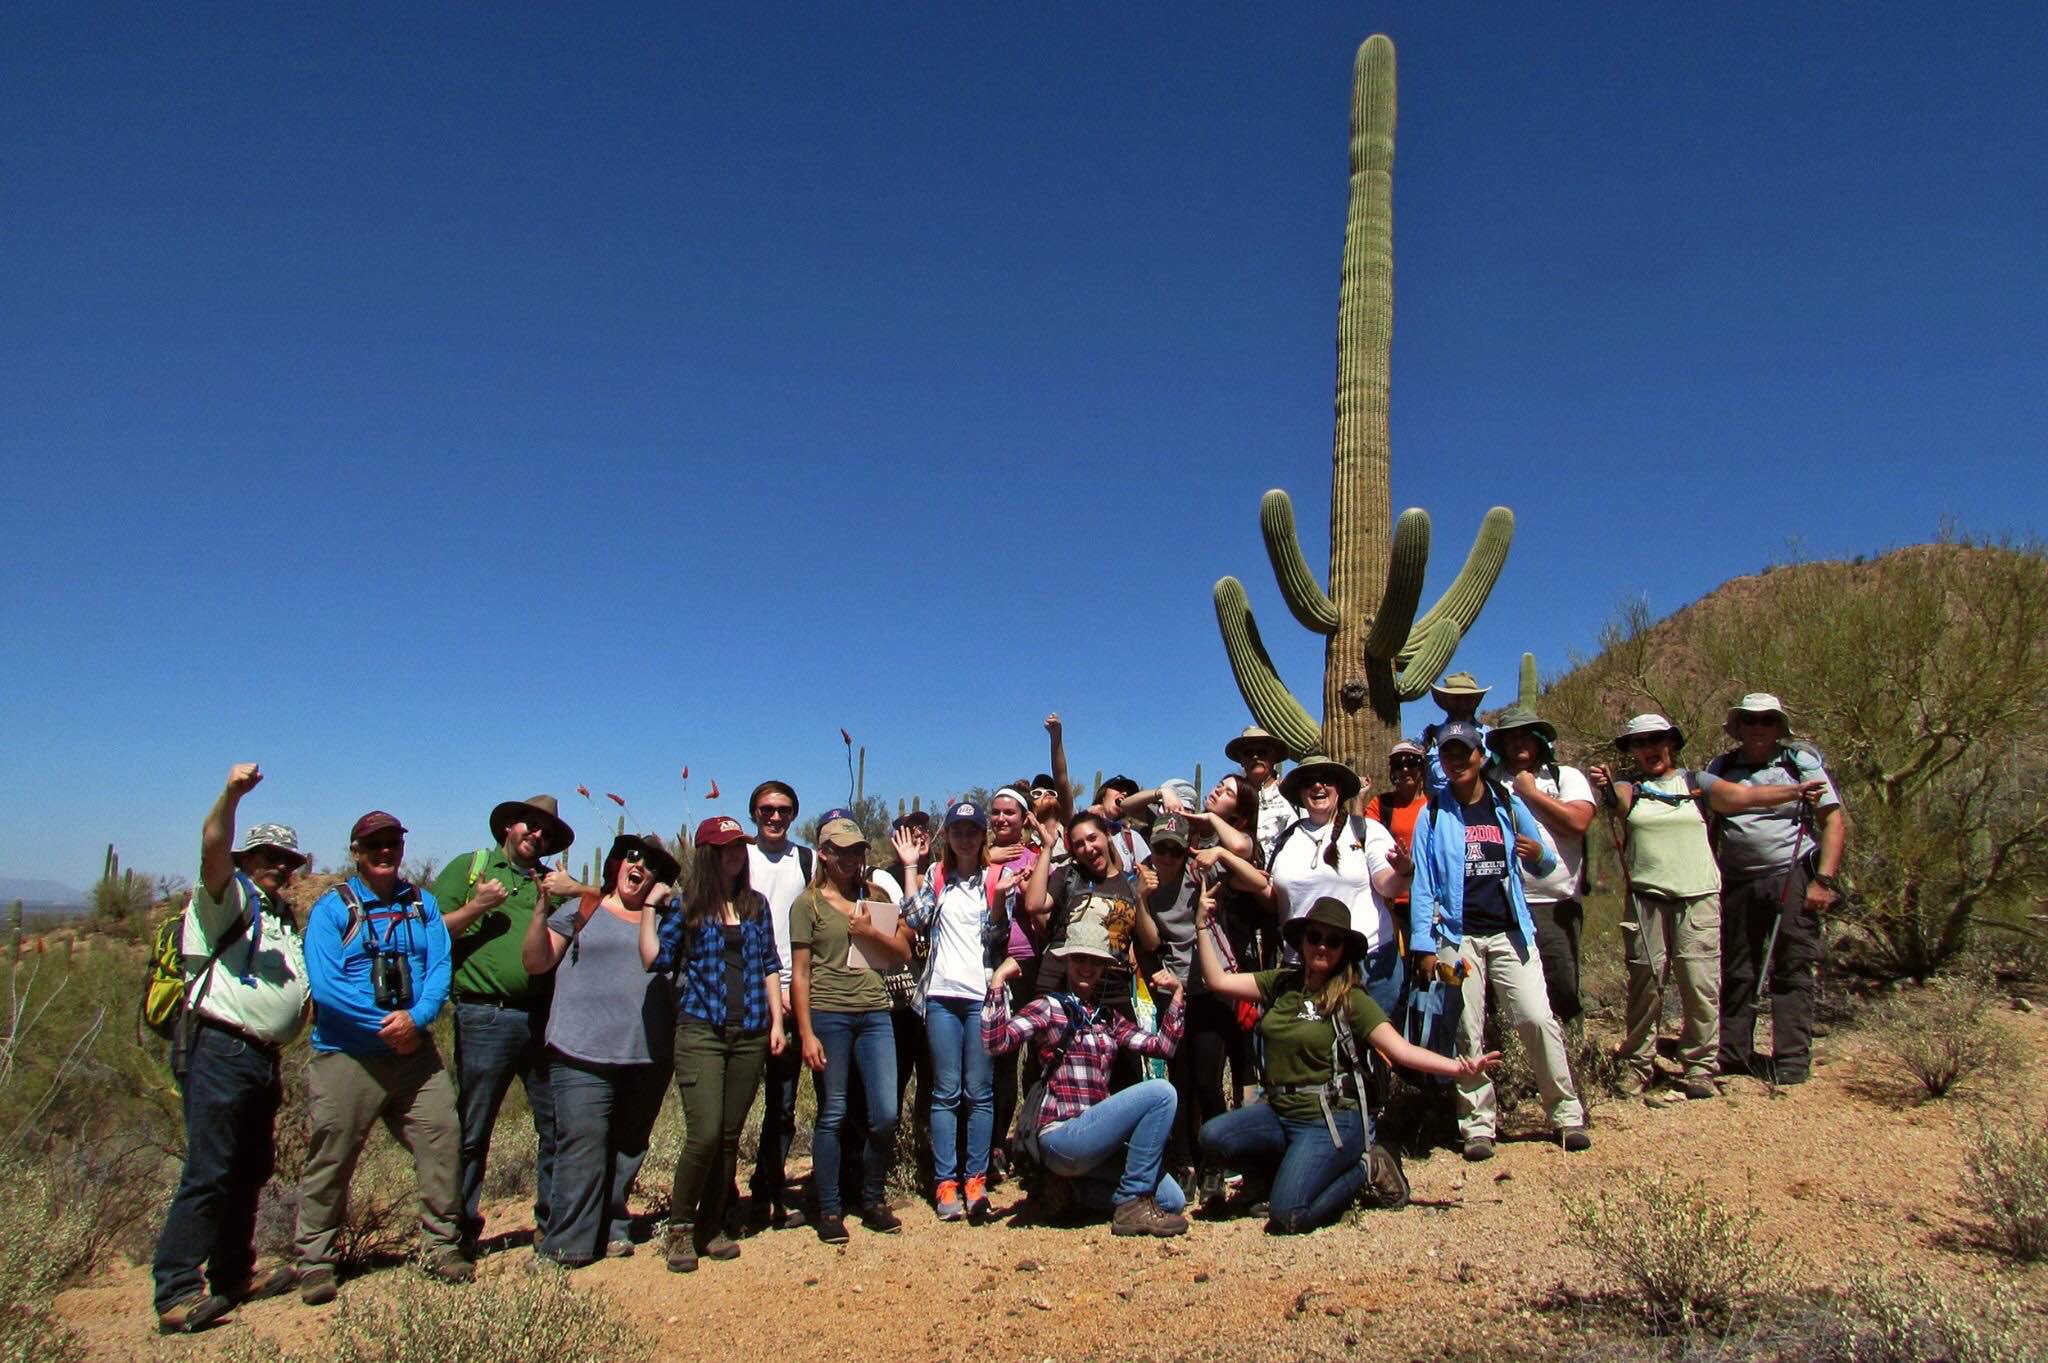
(377, 967)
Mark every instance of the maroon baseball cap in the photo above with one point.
(719, 830)
(376, 821)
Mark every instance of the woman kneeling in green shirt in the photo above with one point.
(1311, 1133)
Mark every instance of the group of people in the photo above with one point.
(1131, 1000)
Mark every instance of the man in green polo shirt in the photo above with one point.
(500, 1011)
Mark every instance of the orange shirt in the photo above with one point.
(1398, 820)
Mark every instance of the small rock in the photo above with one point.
(810, 1282)
(1502, 1177)
(1040, 1303)
(1334, 1310)
(1201, 1277)
(2020, 1005)
(674, 1320)
(1027, 1265)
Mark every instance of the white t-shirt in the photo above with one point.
(1301, 876)
(779, 879)
(1571, 786)
(957, 971)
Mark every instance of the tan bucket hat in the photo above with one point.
(540, 809)
(1252, 736)
(1458, 684)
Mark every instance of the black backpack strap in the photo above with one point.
(803, 861)
(355, 912)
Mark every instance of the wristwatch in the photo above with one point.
(1828, 883)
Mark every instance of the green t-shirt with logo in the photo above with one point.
(486, 954)
(1299, 1039)
(835, 986)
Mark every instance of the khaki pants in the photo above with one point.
(1686, 933)
(412, 1095)
(1517, 980)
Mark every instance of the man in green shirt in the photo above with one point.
(501, 1011)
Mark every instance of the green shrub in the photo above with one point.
(2005, 1177)
(515, 1318)
(1686, 1260)
(1943, 1039)
(1905, 1318)
(46, 1243)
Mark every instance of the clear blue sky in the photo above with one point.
(440, 404)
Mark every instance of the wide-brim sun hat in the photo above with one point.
(1516, 718)
(1458, 684)
(653, 856)
(1758, 703)
(540, 809)
(1253, 737)
(277, 836)
(1327, 913)
(1087, 939)
(1649, 726)
(1320, 768)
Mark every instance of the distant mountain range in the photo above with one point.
(38, 891)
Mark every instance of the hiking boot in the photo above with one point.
(1210, 1191)
(1576, 1138)
(948, 1204)
(193, 1314)
(282, 1279)
(832, 1229)
(680, 1245)
(1144, 1216)
(877, 1216)
(1632, 1084)
(1693, 1087)
(721, 1247)
(451, 1267)
(978, 1209)
(1479, 1148)
(317, 1285)
(619, 1249)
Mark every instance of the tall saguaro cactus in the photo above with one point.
(1378, 652)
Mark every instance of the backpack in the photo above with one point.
(1031, 1109)
(408, 900)
(1386, 1183)
(166, 1002)
(1787, 759)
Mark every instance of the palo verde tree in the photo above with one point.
(1378, 652)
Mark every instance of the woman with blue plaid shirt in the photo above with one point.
(718, 939)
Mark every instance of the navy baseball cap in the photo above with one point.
(1461, 731)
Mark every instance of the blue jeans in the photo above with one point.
(961, 1068)
(494, 1045)
(1386, 976)
(866, 1041)
(1085, 1148)
(603, 1115)
(231, 1097)
(1313, 1180)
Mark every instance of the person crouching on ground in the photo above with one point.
(1104, 1151)
(377, 965)
(245, 989)
(1472, 847)
(1310, 1135)
(716, 934)
(611, 1046)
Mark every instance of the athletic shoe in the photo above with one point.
(619, 1249)
(978, 1209)
(1479, 1148)
(1698, 1088)
(1576, 1138)
(282, 1279)
(877, 1217)
(1144, 1216)
(317, 1286)
(193, 1314)
(1211, 1191)
(947, 1204)
(832, 1229)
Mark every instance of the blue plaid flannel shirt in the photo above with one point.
(699, 963)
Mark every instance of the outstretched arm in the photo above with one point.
(1061, 786)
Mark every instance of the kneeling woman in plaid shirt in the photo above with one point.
(728, 1022)
(1111, 1147)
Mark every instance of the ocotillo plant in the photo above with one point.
(1378, 652)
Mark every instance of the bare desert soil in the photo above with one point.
(1842, 1168)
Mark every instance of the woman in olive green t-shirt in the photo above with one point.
(842, 1014)
(1311, 1133)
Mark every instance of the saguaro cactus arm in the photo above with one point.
(1405, 566)
(1258, 681)
(1437, 634)
(1310, 604)
(1532, 683)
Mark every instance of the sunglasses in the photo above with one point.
(1312, 937)
(1757, 719)
(381, 844)
(767, 812)
(634, 855)
(1405, 764)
